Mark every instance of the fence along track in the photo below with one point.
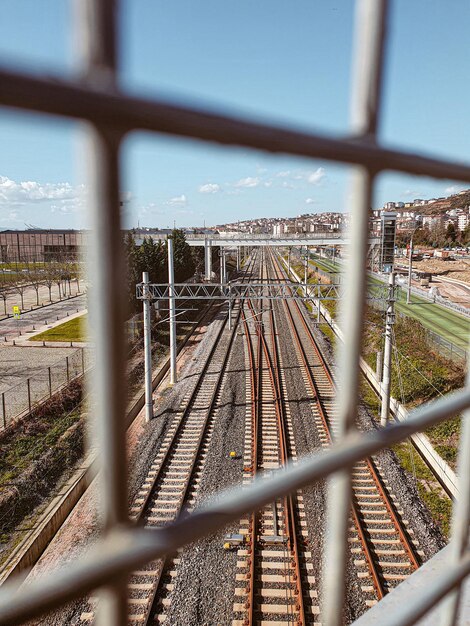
(380, 541)
(172, 479)
(273, 580)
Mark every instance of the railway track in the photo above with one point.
(172, 480)
(383, 549)
(274, 580)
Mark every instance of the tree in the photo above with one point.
(183, 258)
(36, 278)
(451, 234)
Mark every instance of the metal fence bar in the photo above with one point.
(129, 549)
(366, 93)
(460, 517)
(100, 105)
(96, 99)
(97, 28)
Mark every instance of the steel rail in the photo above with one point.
(376, 577)
(199, 443)
(379, 588)
(289, 499)
(143, 505)
(126, 550)
(288, 502)
(412, 555)
(111, 107)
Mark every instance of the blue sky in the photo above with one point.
(284, 62)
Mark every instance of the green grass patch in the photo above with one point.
(73, 330)
(438, 503)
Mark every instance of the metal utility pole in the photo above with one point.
(147, 350)
(410, 261)
(387, 371)
(208, 259)
(238, 258)
(221, 254)
(288, 261)
(306, 268)
(224, 266)
(171, 293)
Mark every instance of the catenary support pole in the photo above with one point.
(147, 350)
(306, 268)
(171, 282)
(238, 258)
(387, 367)
(221, 255)
(224, 266)
(288, 261)
(410, 261)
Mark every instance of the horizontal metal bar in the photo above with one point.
(125, 112)
(125, 550)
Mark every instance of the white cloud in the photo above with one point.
(248, 182)
(283, 174)
(315, 177)
(453, 189)
(287, 185)
(209, 188)
(19, 193)
(177, 201)
(309, 201)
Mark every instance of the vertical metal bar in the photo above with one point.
(387, 364)
(369, 44)
(230, 313)
(50, 381)
(460, 517)
(238, 258)
(4, 414)
(171, 293)
(147, 349)
(67, 367)
(98, 24)
(221, 254)
(28, 384)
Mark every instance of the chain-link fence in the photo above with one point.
(25, 396)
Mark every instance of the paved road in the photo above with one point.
(10, 328)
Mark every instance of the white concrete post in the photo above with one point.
(408, 292)
(208, 259)
(171, 282)
(379, 365)
(387, 372)
(147, 350)
(224, 266)
(288, 262)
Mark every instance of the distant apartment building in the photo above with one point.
(462, 221)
